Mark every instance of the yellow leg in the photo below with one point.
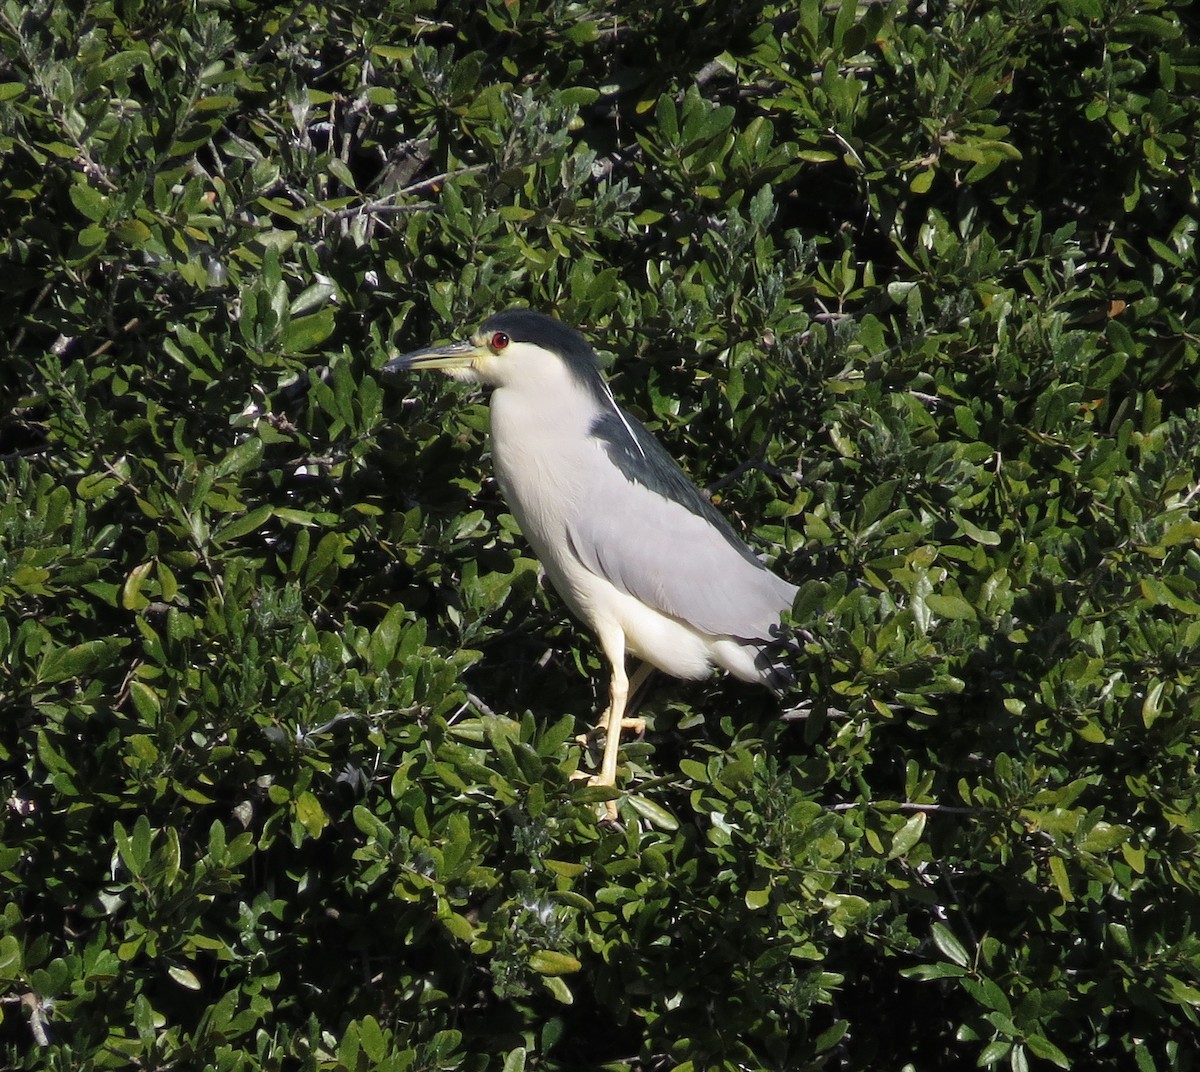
(613, 721)
(643, 671)
(613, 718)
(636, 725)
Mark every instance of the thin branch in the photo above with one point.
(963, 915)
(472, 701)
(41, 296)
(108, 343)
(481, 705)
(25, 452)
(275, 38)
(758, 462)
(384, 204)
(381, 210)
(890, 805)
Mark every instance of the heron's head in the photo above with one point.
(516, 348)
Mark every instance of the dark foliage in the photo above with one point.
(287, 721)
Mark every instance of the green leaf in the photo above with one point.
(90, 201)
(341, 172)
(558, 989)
(907, 836)
(550, 962)
(994, 1051)
(1152, 704)
(94, 485)
(953, 607)
(132, 596)
(184, 977)
(371, 1036)
(132, 232)
(310, 814)
(950, 946)
(244, 525)
(972, 531)
(306, 333)
(10, 958)
(1058, 871)
(667, 118)
(1104, 837)
(79, 660)
(1043, 1048)
(756, 899)
(242, 458)
(831, 1036)
(653, 812)
(875, 502)
(459, 926)
(215, 104)
(148, 705)
(92, 237)
(922, 181)
(926, 972)
(312, 297)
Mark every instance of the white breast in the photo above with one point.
(539, 452)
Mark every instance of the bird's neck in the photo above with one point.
(538, 444)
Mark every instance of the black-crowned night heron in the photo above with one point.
(634, 548)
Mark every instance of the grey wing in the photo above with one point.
(677, 560)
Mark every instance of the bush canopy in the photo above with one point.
(287, 716)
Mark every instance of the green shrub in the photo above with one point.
(287, 720)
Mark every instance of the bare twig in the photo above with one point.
(758, 462)
(963, 916)
(42, 295)
(472, 701)
(38, 1020)
(890, 805)
(384, 204)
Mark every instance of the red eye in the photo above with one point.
(499, 341)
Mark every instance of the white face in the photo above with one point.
(494, 359)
